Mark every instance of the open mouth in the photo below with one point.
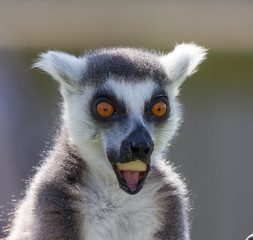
(131, 175)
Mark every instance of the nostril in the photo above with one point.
(146, 151)
(134, 148)
(140, 148)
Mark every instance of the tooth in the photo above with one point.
(137, 165)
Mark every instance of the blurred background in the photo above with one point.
(215, 146)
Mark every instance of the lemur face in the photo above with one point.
(129, 117)
(122, 122)
(120, 106)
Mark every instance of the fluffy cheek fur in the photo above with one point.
(81, 128)
(165, 132)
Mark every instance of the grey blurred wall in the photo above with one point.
(214, 148)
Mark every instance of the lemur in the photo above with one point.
(107, 177)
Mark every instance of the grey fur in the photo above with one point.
(56, 205)
(75, 194)
(133, 64)
(53, 207)
(175, 202)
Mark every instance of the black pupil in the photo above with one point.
(158, 109)
(105, 109)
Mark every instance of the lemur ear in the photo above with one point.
(63, 67)
(183, 62)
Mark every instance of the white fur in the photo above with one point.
(133, 94)
(58, 64)
(183, 61)
(111, 213)
(81, 131)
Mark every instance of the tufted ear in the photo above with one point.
(183, 62)
(63, 67)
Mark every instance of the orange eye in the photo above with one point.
(105, 109)
(159, 109)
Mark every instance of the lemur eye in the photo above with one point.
(159, 109)
(105, 109)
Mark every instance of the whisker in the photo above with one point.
(83, 123)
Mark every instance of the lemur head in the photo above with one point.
(120, 106)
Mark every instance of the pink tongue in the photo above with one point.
(132, 178)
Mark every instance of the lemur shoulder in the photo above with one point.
(107, 177)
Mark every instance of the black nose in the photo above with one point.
(138, 145)
(140, 149)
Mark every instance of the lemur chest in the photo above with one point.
(118, 215)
